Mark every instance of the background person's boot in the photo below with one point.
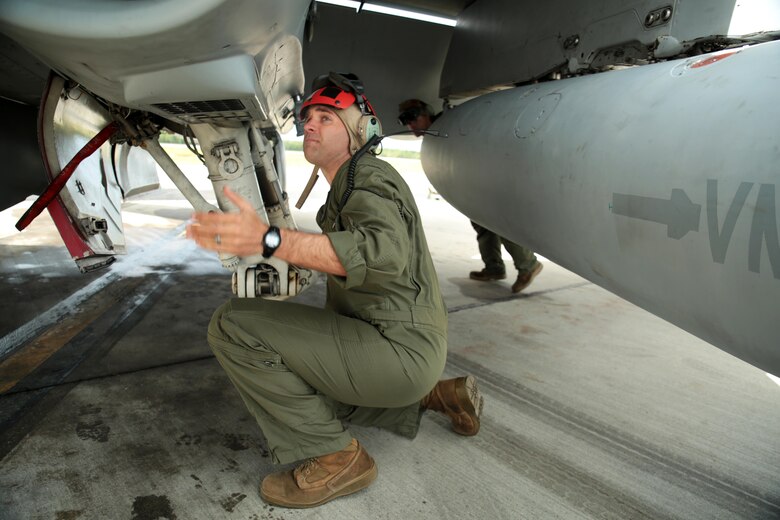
(525, 279)
(486, 276)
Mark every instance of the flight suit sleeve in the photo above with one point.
(374, 244)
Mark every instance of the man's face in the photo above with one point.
(419, 124)
(325, 138)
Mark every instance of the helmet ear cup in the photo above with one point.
(368, 127)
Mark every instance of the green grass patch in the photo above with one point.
(171, 138)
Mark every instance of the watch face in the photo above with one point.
(272, 238)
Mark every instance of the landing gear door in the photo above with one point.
(135, 169)
(87, 211)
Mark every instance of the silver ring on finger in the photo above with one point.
(218, 239)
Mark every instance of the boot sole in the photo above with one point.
(488, 278)
(472, 403)
(361, 482)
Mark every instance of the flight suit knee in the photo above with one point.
(244, 325)
(215, 330)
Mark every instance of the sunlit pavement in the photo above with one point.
(113, 406)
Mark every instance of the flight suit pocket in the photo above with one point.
(267, 361)
(250, 357)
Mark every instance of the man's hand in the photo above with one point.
(240, 234)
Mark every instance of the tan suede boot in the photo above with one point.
(460, 400)
(321, 479)
(525, 279)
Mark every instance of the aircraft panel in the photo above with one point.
(398, 58)
(500, 43)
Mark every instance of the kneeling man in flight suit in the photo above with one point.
(374, 354)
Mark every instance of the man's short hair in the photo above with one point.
(411, 109)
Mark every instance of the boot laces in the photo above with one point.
(307, 467)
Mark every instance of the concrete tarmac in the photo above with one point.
(113, 406)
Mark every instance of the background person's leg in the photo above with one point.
(524, 259)
(490, 250)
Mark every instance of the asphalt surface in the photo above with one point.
(113, 407)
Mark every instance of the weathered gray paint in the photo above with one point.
(613, 179)
(530, 39)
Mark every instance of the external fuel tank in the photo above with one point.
(656, 182)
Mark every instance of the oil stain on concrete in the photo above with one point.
(152, 507)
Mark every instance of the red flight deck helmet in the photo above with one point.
(360, 124)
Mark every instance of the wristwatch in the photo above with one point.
(271, 241)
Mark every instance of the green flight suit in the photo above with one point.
(370, 355)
